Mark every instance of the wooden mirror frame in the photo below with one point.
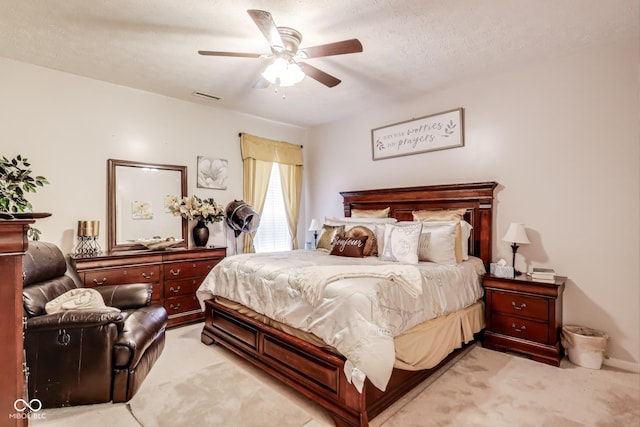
(112, 164)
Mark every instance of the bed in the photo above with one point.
(305, 362)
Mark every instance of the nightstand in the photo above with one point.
(525, 316)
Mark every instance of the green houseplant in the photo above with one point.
(15, 182)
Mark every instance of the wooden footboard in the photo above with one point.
(316, 373)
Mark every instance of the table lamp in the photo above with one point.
(516, 235)
(315, 226)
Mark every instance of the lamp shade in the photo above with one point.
(516, 234)
(286, 72)
(315, 225)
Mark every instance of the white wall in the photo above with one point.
(68, 126)
(562, 139)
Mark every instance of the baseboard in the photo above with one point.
(622, 364)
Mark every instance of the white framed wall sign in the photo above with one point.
(429, 133)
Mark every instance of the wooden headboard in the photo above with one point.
(476, 198)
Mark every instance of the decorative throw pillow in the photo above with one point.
(438, 242)
(445, 215)
(370, 213)
(328, 235)
(78, 299)
(371, 247)
(401, 242)
(349, 246)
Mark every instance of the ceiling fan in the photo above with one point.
(285, 42)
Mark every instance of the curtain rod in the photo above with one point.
(240, 135)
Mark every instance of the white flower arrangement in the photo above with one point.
(195, 208)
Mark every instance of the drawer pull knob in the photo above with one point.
(101, 282)
(523, 305)
(521, 329)
(174, 290)
(174, 307)
(147, 276)
(174, 273)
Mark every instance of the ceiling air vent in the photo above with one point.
(206, 95)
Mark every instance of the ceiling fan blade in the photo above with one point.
(330, 49)
(236, 54)
(265, 23)
(319, 75)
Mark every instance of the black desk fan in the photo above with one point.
(241, 218)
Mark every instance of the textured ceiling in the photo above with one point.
(410, 47)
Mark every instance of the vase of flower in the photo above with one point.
(203, 211)
(200, 234)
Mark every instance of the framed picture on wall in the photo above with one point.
(212, 173)
(429, 133)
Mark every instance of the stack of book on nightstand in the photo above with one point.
(543, 274)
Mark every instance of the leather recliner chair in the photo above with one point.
(79, 357)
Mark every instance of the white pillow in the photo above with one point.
(350, 222)
(401, 242)
(438, 242)
(466, 234)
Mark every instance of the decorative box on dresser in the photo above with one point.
(13, 244)
(525, 316)
(175, 274)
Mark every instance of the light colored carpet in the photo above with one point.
(481, 388)
(487, 388)
(218, 395)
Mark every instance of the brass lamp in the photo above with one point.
(88, 232)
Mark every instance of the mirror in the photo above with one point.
(136, 203)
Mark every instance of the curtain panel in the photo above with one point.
(258, 156)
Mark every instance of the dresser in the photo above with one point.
(525, 316)
(175, 275)
(13, 244)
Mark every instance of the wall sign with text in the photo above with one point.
(429, 133)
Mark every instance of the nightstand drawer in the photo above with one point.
(520, 328)
(520, 305)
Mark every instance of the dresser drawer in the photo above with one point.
(179, 270)
(182, 304)
(520, 328)
(122, 276)
(520, 305)
(175, 288)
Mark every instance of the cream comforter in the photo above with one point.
(356, 305)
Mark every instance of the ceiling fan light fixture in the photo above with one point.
(284, 71)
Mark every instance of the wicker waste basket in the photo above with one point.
(585, 346)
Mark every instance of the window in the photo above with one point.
(273, 232)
